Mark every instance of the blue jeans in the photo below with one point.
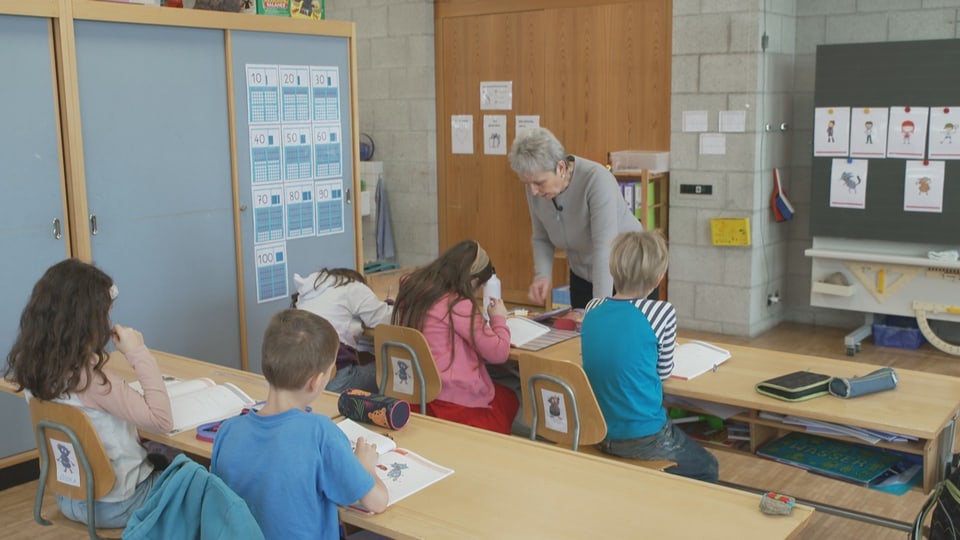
(109, 515)
(355, 376)
(670, 443)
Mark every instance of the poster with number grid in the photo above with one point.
(296, 163)
(271, 271)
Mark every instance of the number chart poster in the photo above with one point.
(296, 163)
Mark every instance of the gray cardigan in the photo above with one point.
(594, 212)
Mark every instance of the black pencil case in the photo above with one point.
(875, 381)
(796, 386)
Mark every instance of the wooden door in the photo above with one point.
(598, 76)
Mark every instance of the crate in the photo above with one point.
(899, 332)
(637, 160)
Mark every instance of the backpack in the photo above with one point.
(945, 503)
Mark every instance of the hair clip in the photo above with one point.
(114, 292)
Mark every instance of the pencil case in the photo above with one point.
(384, 411)
(875, 381)
(796, 386)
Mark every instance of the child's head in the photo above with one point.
(297, 346)
(459, 271)
(638, 261)
(64, 330)
(337, 276)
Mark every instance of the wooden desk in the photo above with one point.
(387, 283)
(510, 487)
(924, 405)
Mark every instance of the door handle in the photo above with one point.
(56, 229)
(93, 225)
(349, 196)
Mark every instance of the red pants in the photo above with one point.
(497, 417)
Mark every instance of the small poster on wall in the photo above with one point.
(944, 139)
(907, 134)
(831, 131)
(923, 186)
(868, 132)
(848, 183)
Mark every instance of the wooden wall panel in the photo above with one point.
(598, 74)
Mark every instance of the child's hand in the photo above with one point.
(366, 453)
(126, 338)
(496, 307)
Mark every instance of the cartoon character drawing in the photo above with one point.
(923, 185)
(907, 128)
(850, 181)
(948, 129)
(868, 131)
(64, 458)
(402, 368)
(396, 471)
(554, 406)
(306, 8)
(830, 125)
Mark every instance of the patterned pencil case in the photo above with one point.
(875, 381)
(384, 411)
(796, 386)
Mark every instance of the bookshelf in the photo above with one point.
(651, 202)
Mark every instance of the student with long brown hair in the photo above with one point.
(440, 300)
(60, 355)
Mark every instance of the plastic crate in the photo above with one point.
(637, 160)
(899, 332)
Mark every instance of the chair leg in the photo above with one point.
(41, 486)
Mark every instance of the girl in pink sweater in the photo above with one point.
(59, 355)
(440, 300)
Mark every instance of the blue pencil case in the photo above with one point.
(875, 381)
(206, 432)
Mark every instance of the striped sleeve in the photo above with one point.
(593, 303)
(663, 320)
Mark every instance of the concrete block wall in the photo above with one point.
(397, 94)
(719, 64)
(834, 22)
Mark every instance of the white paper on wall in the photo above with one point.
(831, 131)
(868, 132)
(923, 186)
(848, 183)
(907, 134)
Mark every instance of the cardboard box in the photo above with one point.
(279, 8)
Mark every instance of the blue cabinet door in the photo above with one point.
(32, 183)
(159, 187)
(295, 166)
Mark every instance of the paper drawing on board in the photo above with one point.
(65, 456)
(402, 375)
(461, 133)
(868, 132)
(944, 139)
(848, 183)
(555, 410)
(907, 132)
(831, 131)
(923, 186)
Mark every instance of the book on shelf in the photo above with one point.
(198, 401)
(694, 358)
(855, 463)
(402, 471)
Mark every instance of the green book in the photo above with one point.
(841, 460)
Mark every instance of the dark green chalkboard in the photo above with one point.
(915, 74)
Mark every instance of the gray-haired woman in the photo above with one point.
(575, 205)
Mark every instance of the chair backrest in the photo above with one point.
(405, 365)
(558, 402)
(67, 441)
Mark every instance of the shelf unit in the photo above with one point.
(654, 206)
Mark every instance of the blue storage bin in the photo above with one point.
(899, 332)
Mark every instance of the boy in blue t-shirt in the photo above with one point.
(293, 467)
(627, 344)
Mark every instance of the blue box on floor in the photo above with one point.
(560, 296)
(899, 332)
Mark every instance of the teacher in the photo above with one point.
(575, 205)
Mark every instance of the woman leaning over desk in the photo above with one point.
(575, 205)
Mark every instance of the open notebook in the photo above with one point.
(695, 358)
(198, 401)
(524, 330)
(402, 471)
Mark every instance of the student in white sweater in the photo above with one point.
(575, 205)
(59, 355)
(342, 297)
